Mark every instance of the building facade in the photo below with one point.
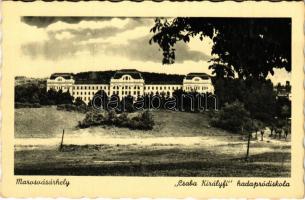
(127, 82)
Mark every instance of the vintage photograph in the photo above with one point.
(153, 96)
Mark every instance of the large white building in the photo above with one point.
(127, 82)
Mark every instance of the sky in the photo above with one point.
(67, 44)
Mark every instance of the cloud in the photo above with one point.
(121, 37)
(42, 22)
(63, 35)
(140, 49)
(113, 22)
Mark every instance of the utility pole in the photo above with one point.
(62, 139)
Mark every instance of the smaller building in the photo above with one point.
(61, 81)
(199, 82)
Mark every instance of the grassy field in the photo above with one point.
(181, 144)
(43, 122)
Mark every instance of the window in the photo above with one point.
(84, 93)
(160, 88)
(113, 87)
(138, 87)
(85, 87)
(129, 92)
(152, 88)
(85, 98)
(126, 87)
(156, 87)
(134, 93)
(148, 87)
(138, 92)
(89, 87)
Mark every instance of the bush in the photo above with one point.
(93, 118)
(143, 121)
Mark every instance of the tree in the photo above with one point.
(233, 117)
(260, 100)
(250, 47)
(99, 100)
(79, 102)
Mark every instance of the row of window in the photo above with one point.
(126, 92)
(59, 87)
(125, 87)
(157, 93)
(84, 98)
(197, 88)
(90, 87)
(84, 93)
(163, 87)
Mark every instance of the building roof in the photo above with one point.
(85, 82)
(103, 77)
(135, 74)
(64, 75)
(201, 75)
(94, 77)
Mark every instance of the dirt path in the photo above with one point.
(92, 140)
(224, 145)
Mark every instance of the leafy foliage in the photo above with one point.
(233, 117)
(143, 121)
(35, 94)
(250, 47)
(258, 97)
